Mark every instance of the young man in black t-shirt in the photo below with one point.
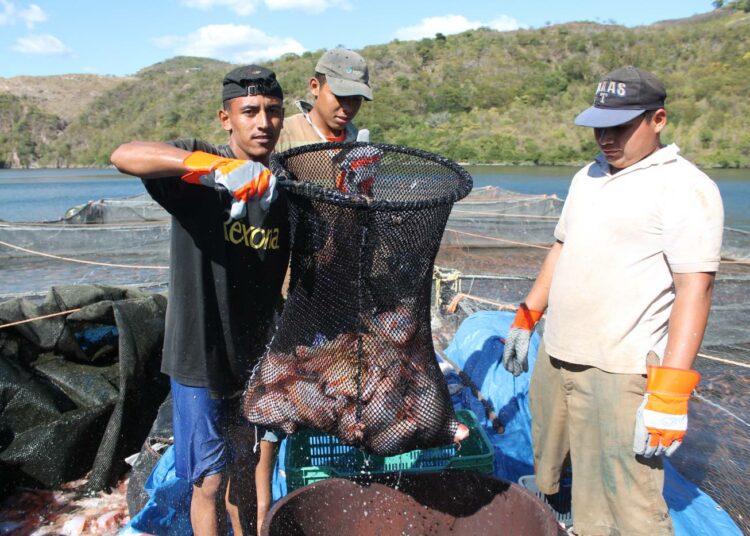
(229, 254)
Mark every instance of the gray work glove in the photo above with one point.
(516, 352)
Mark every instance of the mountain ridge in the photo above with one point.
(480, 96)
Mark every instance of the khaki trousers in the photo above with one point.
(588, 415)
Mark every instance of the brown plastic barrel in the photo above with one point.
(445, 503)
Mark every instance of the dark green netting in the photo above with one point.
(79, 391)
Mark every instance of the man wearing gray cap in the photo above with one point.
(340, 84)
(627, 291)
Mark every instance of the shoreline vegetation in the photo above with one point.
(481, 97)
(576, 165)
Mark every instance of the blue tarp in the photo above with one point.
(476, 348)
(167, 511)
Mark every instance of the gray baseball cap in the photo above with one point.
(346, 73)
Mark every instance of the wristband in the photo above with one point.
(526, 318)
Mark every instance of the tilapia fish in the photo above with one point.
(380, 389)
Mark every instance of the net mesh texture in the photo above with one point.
(353, 353)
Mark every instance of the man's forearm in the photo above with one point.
(538, 296)
(687, 322)
(150, 160)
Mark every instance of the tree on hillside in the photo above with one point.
(743, 5)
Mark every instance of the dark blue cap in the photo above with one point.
(251, 80)
(622, 95)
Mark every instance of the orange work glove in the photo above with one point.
(516, 352)
(244, 179)
(358, 169)
(662, 418)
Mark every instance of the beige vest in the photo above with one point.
(298, 130)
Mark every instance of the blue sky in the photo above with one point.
(47, 37)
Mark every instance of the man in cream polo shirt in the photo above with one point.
(627, 288)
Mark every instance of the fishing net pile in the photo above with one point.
(134, 208)
(353, 353)
(79, 384)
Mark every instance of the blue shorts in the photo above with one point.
(201, 427)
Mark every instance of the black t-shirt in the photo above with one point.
(225, 280)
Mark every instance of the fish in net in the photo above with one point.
(353, 353)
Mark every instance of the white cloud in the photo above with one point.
(453, 24)
(41, 45)
(33, 15)
(10, 14)
(449, 24)
(310, 6)
(504, 23)
(241, 7)
(247, 7)
(230, 42)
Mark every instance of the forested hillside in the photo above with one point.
(479, 96)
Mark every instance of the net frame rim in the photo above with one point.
(311, 190)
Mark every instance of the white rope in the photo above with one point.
(79, 261)
(527, 244)
(722, 408)
(722, 360)
(479, 213)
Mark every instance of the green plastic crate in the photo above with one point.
(312, 456)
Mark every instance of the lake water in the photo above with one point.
(733, 184)
(45, 194)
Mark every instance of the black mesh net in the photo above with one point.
(353, 353)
